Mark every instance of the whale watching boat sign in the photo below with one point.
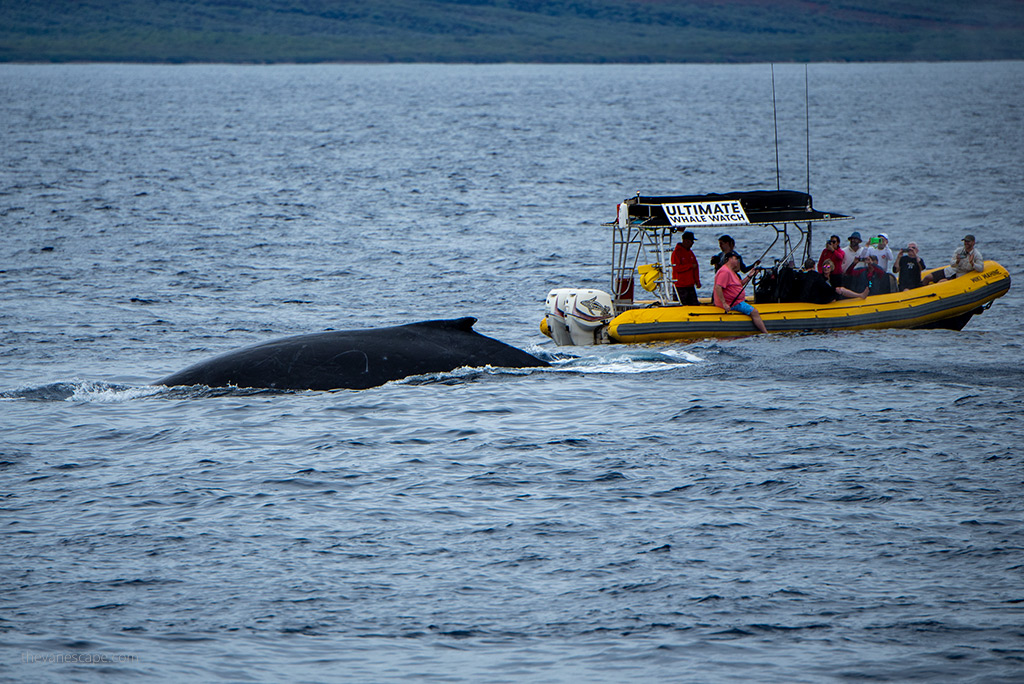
(728, 213)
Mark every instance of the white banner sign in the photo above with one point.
(725, 213)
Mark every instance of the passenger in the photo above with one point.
(856, 276)
(833, 254)
(877, 279)
(881, 250)
(965, 259)
(727, 244)
(730, 294)
(686, 270)
(838, 290)
(852, 267)
(808, 265)
(909, 267)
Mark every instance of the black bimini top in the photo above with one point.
(729, 209)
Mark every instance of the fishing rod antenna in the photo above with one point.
(807, 128)
(775, 116)
(807, 146)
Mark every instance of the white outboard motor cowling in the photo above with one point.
(576, 317)
(554, 308)
(586, 312)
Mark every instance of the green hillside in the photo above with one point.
(509, 30)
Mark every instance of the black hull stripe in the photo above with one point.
(906, 317)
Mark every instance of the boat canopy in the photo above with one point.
(753, 208)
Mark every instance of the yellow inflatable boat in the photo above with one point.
(642, 241)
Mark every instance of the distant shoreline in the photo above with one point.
(500, 32)
(101, 62)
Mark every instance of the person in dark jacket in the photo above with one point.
(877, 279)
(820, 289)
(727, 244)
(909, 266)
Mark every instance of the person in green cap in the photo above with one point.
(965, 260)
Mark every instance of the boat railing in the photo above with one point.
(635, 245)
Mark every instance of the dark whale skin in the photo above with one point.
(355, 359)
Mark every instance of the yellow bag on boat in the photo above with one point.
(650, 274)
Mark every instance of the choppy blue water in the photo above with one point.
(796, 508)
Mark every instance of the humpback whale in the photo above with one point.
(355, 359)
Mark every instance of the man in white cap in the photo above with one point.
(882, 251)
(966, 259)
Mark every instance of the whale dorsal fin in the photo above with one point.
(465, 324)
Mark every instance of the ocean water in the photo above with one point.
(790, 508)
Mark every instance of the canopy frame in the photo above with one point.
(643, 232)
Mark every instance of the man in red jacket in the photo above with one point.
(685, 270)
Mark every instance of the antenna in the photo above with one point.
(807, 128)
(775, 116)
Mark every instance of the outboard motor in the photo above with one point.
(554, 308)
(586, 312)
(575, 317)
